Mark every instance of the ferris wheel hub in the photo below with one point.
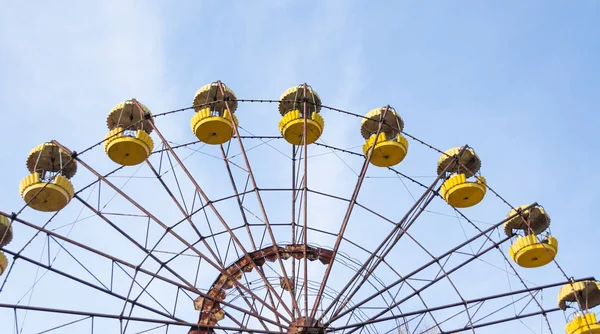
(302, 326)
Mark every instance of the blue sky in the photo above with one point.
(518, 82)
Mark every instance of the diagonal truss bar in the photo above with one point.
(495, 322)
(435, 260)
(216, 212)
(411, 215)
(79, 280)
(432, 282)
(188, 218)
(97, 252)
(168, 229)
(293, 218)
(165, 265)
(245, 218)
(461, 303)
(349, 210)
(128, 318)
(305, 199)
(183, 211)
(262, 209)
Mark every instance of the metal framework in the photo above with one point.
(284, 289)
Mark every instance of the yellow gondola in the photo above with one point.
(48, 187)
(586, 294)
(468, 163)
(583, 324)
(3, 263)
(389, 147)
(458, 190)
(6, 233)
(528, 252)
(291, 108)
(532, 220)
(128, 142)
(213, 123)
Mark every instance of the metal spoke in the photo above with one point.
(401, 227)
(433, 261)
(262, 208)
(338, 241)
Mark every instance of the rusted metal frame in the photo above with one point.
(200, 191)
(237, 322)
(293, 222)
(139, 285)
(97, 252)
(13, 216)
(495, 245)
(183, 211)
(245, 219)
(84, 282)
(411, 215)
(411, 179)
(369, 252)
(210, 204)
(262, 208)
(136, 319)
(194, 289)
(358, 204)
(447, 276)
(237, 197)
(305, 199)
(543, 312)
(128, 296)
(198, 141)
(252, 309)
(346, 219)
(398, 228)
(164, 265)
(431, 196)
(518, 213)
(48, 238)
(168, 230)
(433, 261)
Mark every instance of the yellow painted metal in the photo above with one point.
(210, 96)
(6, 232)
(387, 152)
(291, 100)
(3, 263)
(583, 324)
(460, 193)
(128, 150)
(533, 220)
(291, 127)
(587, 293)
(127, 115)
(468, 159)
(46, 197)
(210, 128)
(528, 252)
(47, 157)
(392, 126)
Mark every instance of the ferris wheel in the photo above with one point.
(242, 224)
